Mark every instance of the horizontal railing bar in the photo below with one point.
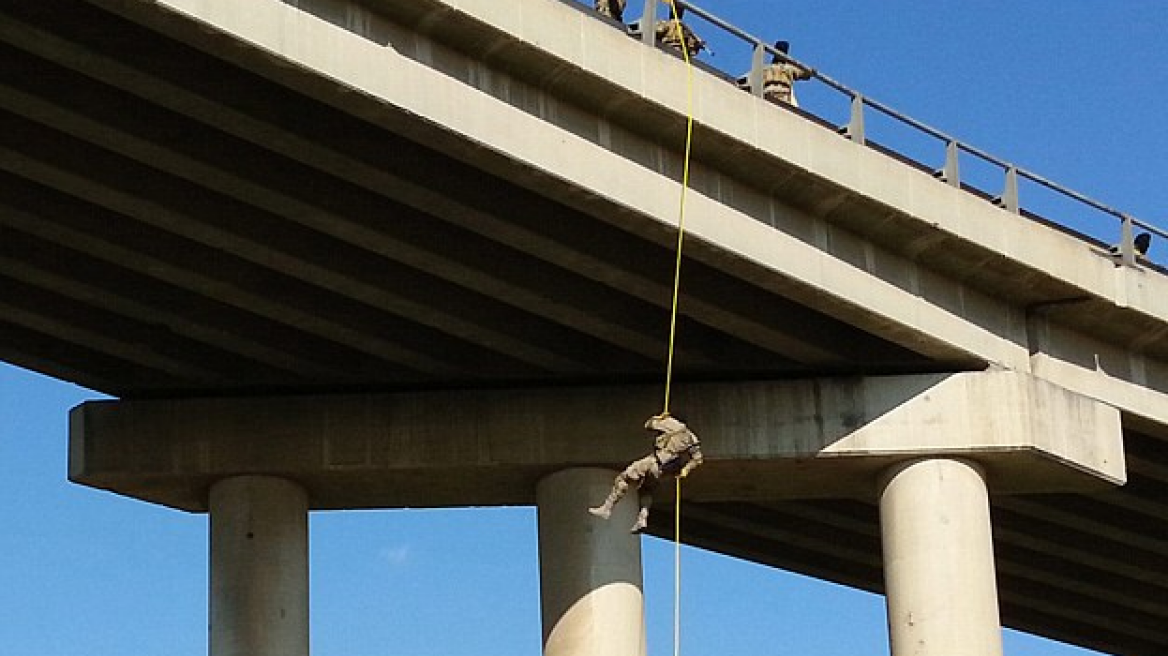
(720, 22)
(1150, 228)
(950, 141)
(754, 41)
(923, 127)
(1071, 193)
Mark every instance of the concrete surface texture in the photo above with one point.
(259, 567)
(796, 439)
(877, 337)
(939, 560)
(590, 569)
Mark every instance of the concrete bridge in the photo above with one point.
(366, 253)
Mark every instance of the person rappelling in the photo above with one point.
(676, 452)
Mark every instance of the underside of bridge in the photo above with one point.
(181, 215)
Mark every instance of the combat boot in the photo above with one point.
(642, 521)
(604, 510)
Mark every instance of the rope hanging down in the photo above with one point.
(673, 317)
(680, 210)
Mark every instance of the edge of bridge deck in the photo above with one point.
(623, 71)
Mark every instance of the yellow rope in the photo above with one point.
(681, 208)
(673, 319)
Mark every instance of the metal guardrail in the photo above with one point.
(856, 131)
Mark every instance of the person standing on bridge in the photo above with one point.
(778, 79)
(614, 9)
(1141, 243)
(676, 452)
(675, 34)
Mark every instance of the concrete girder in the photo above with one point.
(434, 202)
(262, 254)
(763, 440)
(635, 198)
(195, 282)
(317, 217)
(124, 304)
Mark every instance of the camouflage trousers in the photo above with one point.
(779, 93)
(642, 471)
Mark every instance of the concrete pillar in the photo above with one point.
(939, 560)
(259, 567)
(590, 568)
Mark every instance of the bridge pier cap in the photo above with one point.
(815, 438)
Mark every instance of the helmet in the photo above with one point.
(664, 423)
(1142, 242)
(783, 47)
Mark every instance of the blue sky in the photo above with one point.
(1071, 89)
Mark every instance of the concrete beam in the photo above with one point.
(371, 46)
(637, 198)
(762, 440)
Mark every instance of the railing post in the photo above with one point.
(952, 172)
(649, 23)
(855, 128)
(1127, 244)
(856, 124)
(757, 62)
(1009, 197)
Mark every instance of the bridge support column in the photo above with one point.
(938, 560)
(590, 568)
(259, 567)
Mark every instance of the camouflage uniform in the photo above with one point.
(676, 452)
(673, 33)
(777, 80)
(612, 8)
